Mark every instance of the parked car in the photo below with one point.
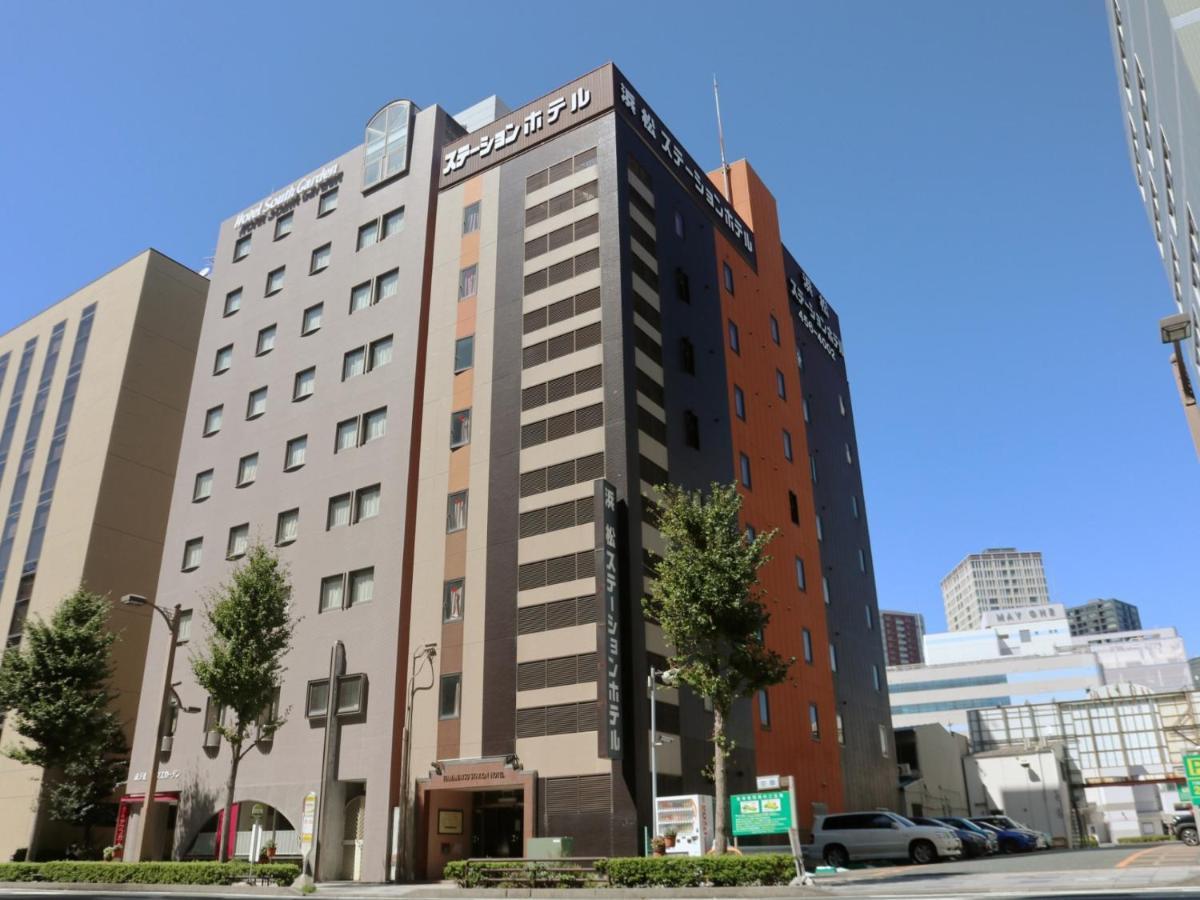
(1183, 827)
(1011, 840)
(1044, 840)
(990, 840)
(860, 836)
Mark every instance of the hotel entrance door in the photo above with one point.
(497, 820)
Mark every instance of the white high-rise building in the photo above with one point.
(998, 578)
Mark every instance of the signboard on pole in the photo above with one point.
(1191, 768)
(767, 812)
(767, 782)
(308, 823)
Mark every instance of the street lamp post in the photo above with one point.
(1175, 330)
(171, 617)
(657, 678)
(425, 653)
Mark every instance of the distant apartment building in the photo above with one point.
(1103, 616)
(996, 579)
(903, 634)
(1194, 665)
(92, 393)
(1156, 49)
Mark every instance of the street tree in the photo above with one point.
(54, 686)
(708, 599)
(240, 663)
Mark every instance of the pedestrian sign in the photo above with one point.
(767, 812)
(1191, 768)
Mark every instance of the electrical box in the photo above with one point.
(549, 847)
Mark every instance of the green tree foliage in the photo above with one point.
(55, 686)
(241, 663)
(710, 605)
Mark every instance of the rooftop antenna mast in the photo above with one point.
(721, 139)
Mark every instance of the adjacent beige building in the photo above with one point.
(92, 398)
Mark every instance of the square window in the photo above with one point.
(387, 284)
(787, 445)
(332, 588)
(192, 553)
(223, 360)
(316, 700)
(311, 321)
(275, 281)
(806, 641)
(327, 203)
(347, 435)
(360, 297)
(380, 353)
(241, 247)
(354, 363)
(471, 218)
(744, 463)
(256, 403)
(212, 420)
(464, 353)
(367, 234)
(780, 385)
(202, 487)
(774, 323)
(468, 282)
(233, 302)
(305, 383)
(739, 403)
(320, 259)
(297, 449)
(351, 689)
(339, 512)
(283, 225)
(450, 696)
(362, 587)
(266, 341)
(247, 470)
(801, 580)
(366, 503)
(287, 527)
(239, 541)
(374, 425)
(456, 512)
(460, 428)
(728, 273)
(735, 341)
(183, 629)
(453, 600)
(392, 222)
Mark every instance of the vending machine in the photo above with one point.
(690, 819)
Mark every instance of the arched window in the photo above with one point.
(387, 143)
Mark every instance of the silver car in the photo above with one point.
(859, 836)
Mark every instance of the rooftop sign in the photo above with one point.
(292, 195)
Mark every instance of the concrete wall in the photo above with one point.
(1026, 786)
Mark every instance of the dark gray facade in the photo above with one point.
(1102, 616)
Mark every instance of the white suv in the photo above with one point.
(843, 837)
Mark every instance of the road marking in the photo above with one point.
(1129, 859)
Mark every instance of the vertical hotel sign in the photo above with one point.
(608, 623)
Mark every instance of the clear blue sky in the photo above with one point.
(952, 174)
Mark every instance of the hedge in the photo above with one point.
(149, 872)
(699, 871)
(1146, 839)
(518, 873)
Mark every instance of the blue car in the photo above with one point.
(1009, 839)
(990, 838)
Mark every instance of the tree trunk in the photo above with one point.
(719, 840)
(230, 782)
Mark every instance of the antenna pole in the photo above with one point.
(721, 140)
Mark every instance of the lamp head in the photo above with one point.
(134, 600)
(1175, 328)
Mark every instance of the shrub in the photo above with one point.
(149, 872)
(1144, 839)
(698, 871)
(18, 871)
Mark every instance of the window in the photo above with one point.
(223, 360)
(351, 689)
(380, 353)
(820, 528)
(744, 462)
(812, 467)
(283, 225)
(354, 363)
(804, 409)
(862, 560)
(360, 297)
(239, 540)
(780, 385)
(870, 617)
(332, 588)
(471, 218)
(362, 587)
(679, 225)
(841, 405)
(241, 247)
(316, 700)
(687, 356)
(392, 222)
(691, 429)
(287, 527)
(367, 234)
(794, 507)
(212, 420)
(849, 455)
(304, 384)
(233, 302)
(751, 534)
(825, 588)
(814, 722)
(464, 353)
(192, 552)
(338, 515)
(202, 488)
(787, 445)
(739, 403)
(735, 342)
(875, 676)
(366, 503)
(311, 320)
(327, 203)
(387, 143)
(854, 505)
(450, 696)
(293, 456)
(456, 512)
(683, 289)
(275, 281)
(460, 428)
(387, 284)
(801, 581)
(320, 259)
(374, 425)
(806, 640)
(453, 598)
(256, 403)
(832, 658)
(266, 341)
(247, 469)
(841, 729)
(764, 709)
(468, 282)
(183, 629)
(774, 323)
(884, 748)
(347, 435)
(728, 274)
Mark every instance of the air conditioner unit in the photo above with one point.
(165, 745)
(212, 740)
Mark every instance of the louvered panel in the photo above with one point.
(533, 434)
(585, 564)
(532, 619)
(533, 523)
(585, 262)
(594, 793)
(562, 795)
(561, 345)
(589, 468)
(531, 575)
(587, 301)
(531, 676)
(533, 397)
(560, 388)
(587, 716)
(586, 667)
(589, 417)
(533, 320)
(559, 426)
(531, 722)
(560, 311)
(560, 237)
(533, 355)
(562, 719)
(533, 482)
(560, 614)
(587, 379)
(561, 271)
(562, 670)
(560, 475)
(585, 510)
(587, 336)
(560, 516)
(560, 569)
(587, 226)
(585, 610)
